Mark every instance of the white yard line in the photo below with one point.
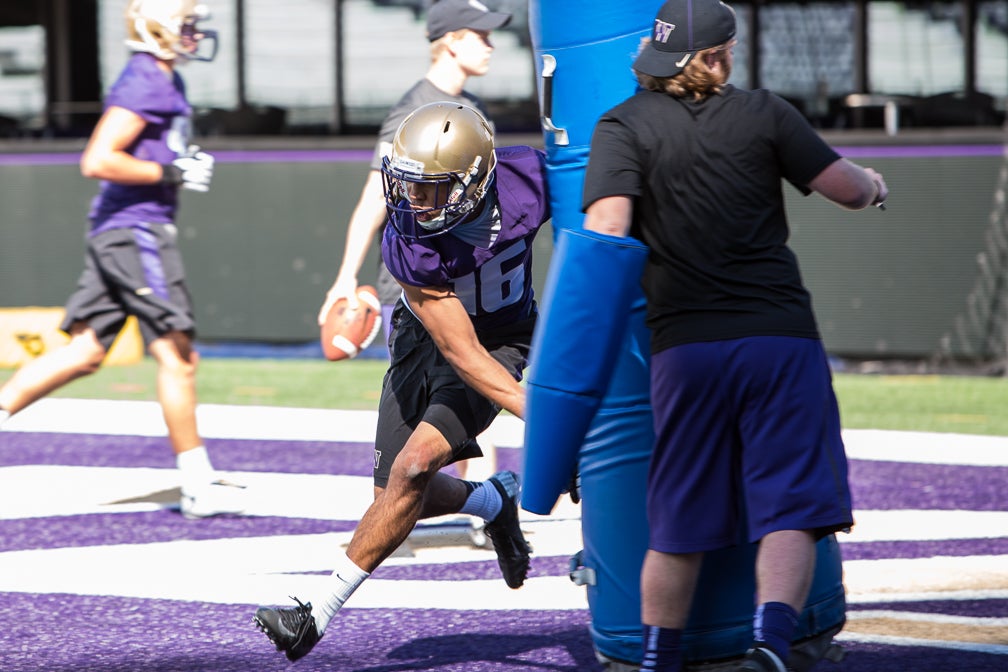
(143, 418)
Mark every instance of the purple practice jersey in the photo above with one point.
(494, 283)
(159, 98)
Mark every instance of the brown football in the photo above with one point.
(346, 332)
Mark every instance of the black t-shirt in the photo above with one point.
(705, 179)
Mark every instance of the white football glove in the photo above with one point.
(197, 171)
(191, 172)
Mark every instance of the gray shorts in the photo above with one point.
(136, 271)
(420, 385)
(389, 290)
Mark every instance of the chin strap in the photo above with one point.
(147, 41)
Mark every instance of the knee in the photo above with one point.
(178, 367)
(88, 354)
(425, 452)
(414, 468)
(175, 355)
(92, 362)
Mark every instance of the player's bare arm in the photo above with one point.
(850, 186)
(106, 156)
(610, 215)
(366, 220)
(448, 323)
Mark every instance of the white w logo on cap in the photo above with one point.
(663, 30)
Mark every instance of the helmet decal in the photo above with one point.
(404, 164)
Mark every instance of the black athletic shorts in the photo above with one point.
(420, 385)
(136, 271)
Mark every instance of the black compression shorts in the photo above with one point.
(421, 385)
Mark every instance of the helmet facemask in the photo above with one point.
(168, 29)
(439, 170)
(452, 196)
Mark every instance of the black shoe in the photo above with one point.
(761, 659)
(508, 540)
(292, 630)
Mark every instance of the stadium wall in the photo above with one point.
(263, 246)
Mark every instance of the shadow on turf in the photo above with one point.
(475, 649)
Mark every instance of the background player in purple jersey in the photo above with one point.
(462, 217)
(745, 415)
(141, 153)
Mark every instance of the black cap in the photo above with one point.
(446, 16)
(681, 29)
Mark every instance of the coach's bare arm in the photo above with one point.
(850, 186)
(610, 216)
(448, 323)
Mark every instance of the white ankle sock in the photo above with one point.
(342, 583)
(3, 416)
(195, 467)
(484, 502)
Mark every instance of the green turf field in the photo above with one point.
(966, 404)
(352, 384)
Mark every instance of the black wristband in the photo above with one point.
(170, 174)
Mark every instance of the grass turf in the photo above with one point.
(964, 404)
(351, 384)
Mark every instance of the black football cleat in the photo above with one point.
(761, 659)
(291, 630)
(508, 541)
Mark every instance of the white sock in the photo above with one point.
(3, 416)
(484, 501)
(195, 467)
(342, 583)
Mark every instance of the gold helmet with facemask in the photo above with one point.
(167, 29)
(448, 146)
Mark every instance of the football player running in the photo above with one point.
(462, 220)
(460, 33)
(141, 152)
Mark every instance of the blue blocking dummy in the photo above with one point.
(568, 381)
(587, 410)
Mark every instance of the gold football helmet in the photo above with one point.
(439, 169)
(167, 29)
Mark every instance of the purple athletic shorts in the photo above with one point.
(747, 442)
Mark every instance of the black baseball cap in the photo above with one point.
(681, 29)
(446, 16)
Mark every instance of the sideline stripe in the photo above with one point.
(936, 628)
(848, 636)
(928, 596)
(928, 618)
(143, 418)
(222, 156)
